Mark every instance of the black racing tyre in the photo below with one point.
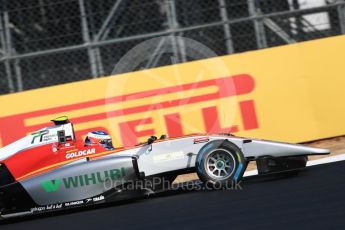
(220, 164)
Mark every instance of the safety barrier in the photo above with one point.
(291, 93)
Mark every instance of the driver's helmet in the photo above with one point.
(99, 138)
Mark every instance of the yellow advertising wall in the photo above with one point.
(292, 93)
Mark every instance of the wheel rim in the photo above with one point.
(220, 164)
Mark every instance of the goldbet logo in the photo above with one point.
(143, 109)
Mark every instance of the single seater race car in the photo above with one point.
(50, 170)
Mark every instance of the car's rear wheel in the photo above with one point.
(220, 164)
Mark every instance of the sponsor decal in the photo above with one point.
(43, 136)
(51, 186)
(51, 207)
(83, 180)
(201, 140)
(50, 137)
(46, 208)
(74, 203)
(38, 209)
(169, 156)
(97, 199)
(81, 153)
(39, 136)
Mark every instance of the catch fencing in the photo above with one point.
(46, 42)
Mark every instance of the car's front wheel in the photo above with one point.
(220, 164)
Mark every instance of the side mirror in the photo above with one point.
(61, 136)
(151, 139)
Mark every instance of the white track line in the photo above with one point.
(325, 160)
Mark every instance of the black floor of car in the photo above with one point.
(314, 199)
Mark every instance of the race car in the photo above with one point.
(51, 170)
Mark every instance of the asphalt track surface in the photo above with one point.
(314, 199)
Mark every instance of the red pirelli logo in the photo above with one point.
(14, 127)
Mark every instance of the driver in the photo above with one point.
(99, 138)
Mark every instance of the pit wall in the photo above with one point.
(293, 93)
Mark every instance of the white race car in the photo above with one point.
(50, 170)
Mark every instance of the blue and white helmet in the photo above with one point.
(99, 138)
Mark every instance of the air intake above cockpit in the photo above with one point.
(61, 120)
